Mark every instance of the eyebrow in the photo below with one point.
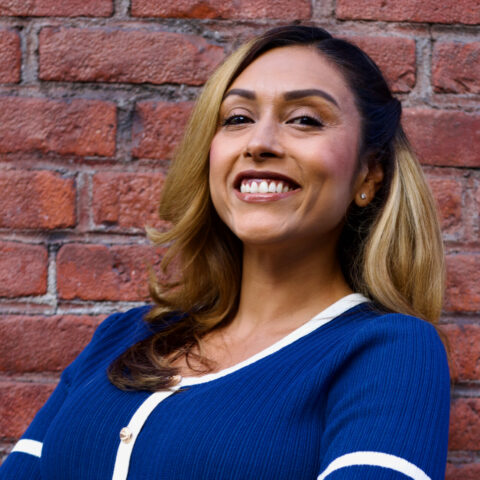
(288, 96)
(309, 92)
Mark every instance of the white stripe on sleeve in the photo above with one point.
(375, 459)
(32, 447)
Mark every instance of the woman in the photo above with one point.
(294, 192)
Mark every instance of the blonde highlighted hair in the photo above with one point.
(391, 251)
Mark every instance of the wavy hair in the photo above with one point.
(391, 250)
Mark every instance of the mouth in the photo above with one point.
(263, 182)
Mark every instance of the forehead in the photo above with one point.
(295, 68)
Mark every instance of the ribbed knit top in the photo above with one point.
(352, 394)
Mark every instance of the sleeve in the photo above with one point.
(23, 463)
(388, 407)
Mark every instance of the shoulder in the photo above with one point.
(112, 337)
(402, 333)
(398, 349)
(123, 324)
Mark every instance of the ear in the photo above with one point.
(370, 184)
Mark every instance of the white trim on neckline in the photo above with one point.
(322, 318)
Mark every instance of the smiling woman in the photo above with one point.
(296, 340)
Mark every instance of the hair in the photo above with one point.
(391, 251)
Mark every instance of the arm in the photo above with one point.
(23, 463)
(388, 407)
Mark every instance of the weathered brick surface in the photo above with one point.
(36, 199)
(23, 270)
(127, 199)
(10, 56)
(463, 279)
(19, 402)
(461, 11)
(158, 127)
(464, 341)
(78, 127)
(93, 100)
(465, 424)
(468, 471)
(395, 57)
(444, 137)
(456, 67)
(55, 8)
(23, 347)
(137, 56)
(228, 9)
(448, 194)
(476, 212)
(98, 272)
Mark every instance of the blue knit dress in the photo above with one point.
(352, 394)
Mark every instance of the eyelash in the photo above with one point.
(235, 120)
(307, 120)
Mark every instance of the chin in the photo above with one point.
(260, 237)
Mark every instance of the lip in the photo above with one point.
(263, 174)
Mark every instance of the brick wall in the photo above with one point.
(93, 95)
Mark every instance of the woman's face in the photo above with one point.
(284, 160)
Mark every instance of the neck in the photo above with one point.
(281, 290)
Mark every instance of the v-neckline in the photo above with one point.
(320, 319)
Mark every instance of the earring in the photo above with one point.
(363, 196)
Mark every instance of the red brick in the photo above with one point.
(23, 269)
(19, 402)
(36, 199)
(431, 11)
(127, 199)
(98, 272)
(468, 471)
(464, 341)
(78, 127)
(23, 347)
(10, 56)
(395, 57)
(465, 424)
(456, 67)
(448, 196)
(476, 194)
(158, 127)
(463, 279)
(47, 8)
(444, 137)
(228, 9)
(136, 56)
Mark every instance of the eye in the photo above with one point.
(236, 120)
(306, 120)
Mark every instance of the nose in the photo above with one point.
(264, 141)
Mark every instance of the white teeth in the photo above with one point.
(263, 186)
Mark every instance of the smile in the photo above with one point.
(263, 186)
(264, 183)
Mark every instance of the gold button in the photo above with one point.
(125, 435)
